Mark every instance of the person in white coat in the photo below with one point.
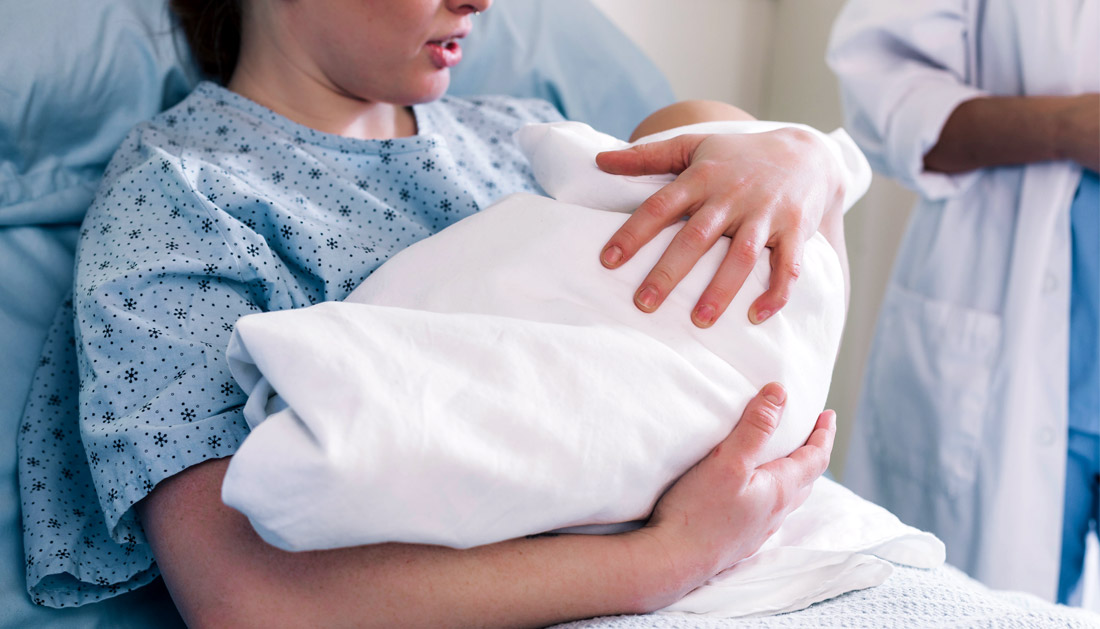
(974, 392)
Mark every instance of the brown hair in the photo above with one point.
(213, 29)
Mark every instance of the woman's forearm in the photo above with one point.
(1011, 131)
(221, 573)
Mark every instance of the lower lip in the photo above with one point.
(445, 56)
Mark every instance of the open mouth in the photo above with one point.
(445, 53)
(449, 44)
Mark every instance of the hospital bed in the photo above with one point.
(77, 74)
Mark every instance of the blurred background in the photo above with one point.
(768, 57)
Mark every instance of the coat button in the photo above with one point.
(1050, 283)
(1046, 436)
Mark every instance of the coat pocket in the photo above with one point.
(929, 380)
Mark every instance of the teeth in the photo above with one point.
(446, 43)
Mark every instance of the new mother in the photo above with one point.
(329, 148)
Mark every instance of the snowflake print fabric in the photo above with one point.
(213, 210)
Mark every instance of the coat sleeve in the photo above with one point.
(903, 68)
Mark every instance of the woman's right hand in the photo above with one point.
(723, 509)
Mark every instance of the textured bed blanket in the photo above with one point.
(910, 598)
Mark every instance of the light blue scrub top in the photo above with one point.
(1084, 319)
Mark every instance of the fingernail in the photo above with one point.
(704, 314)
(775, 394)
(760, 315)
(647, 298)
(612, 255)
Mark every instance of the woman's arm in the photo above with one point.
(762, 190)
(221, 573)
(1011, 131)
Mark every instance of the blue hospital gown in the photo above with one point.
(215, 209)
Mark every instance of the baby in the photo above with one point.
(515, 388)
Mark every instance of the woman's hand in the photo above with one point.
(762, 190)
(723, 509)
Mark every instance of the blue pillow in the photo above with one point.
(567, 52)
(76, 76)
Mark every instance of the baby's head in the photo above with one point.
(389, 51)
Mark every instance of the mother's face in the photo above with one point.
(393, 51)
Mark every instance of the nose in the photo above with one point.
(465, 7)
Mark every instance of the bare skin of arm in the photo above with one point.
(1012, 131)
(221, 573)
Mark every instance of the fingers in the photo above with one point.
(664, 208)
(799, 497)
(716, 189)
(786, 264)
(824, 431)
(694, 239)
(654, 158)
(758, 423)
(745, 247)
(809, 462)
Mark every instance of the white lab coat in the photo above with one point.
(962, 422)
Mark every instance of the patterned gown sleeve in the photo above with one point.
(159, 284)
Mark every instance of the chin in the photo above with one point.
(432, 88)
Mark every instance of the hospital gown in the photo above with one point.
(215, 209)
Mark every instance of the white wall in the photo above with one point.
(767, 56)
(713, 49)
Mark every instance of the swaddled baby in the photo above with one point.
(494, 380)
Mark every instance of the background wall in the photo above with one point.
(767, 56)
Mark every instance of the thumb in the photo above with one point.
(653, 158)
(759, 421)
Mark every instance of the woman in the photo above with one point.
(328, 150)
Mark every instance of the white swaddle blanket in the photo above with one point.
(495, 381)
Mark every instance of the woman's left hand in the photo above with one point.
(762, 190)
